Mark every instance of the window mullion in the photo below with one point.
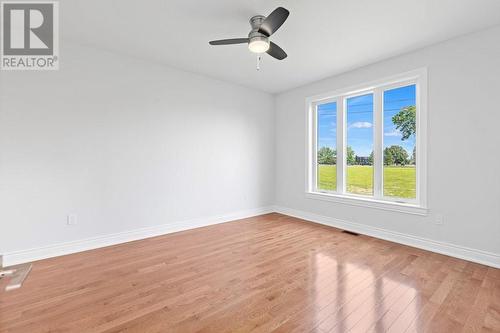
(341, 146)
(378, 132)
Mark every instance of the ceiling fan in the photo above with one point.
(258, 38)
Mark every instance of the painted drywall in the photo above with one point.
(124, 145)
(134, 150)
(463, 144)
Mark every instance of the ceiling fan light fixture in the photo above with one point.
(258, 39)
(258, 44)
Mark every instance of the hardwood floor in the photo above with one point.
(268, 273)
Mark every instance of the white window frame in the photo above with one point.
(416, 206)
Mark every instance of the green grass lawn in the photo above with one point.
(398, 181)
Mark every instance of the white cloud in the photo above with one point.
(361, 124)
(393, 133)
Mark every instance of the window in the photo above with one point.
(359, 144)
(327, 147)
(399, 142)
(367, 145)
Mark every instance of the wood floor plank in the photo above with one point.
(271, 273)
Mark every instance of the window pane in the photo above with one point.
(399, 142)
(327, 146)
(359, 154)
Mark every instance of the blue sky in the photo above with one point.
(360, 124)
(394, 101)
(360, 121)
(327, 125)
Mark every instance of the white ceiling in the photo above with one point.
(321, 37)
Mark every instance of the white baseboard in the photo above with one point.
(461, 252)
(18, 257)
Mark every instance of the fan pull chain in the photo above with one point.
(259, 58)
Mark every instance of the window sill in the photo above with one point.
(369, 203)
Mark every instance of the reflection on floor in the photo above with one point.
(261, 274)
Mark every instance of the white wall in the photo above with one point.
(463, 144)
(125, 145)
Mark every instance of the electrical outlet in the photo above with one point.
(71, 219)
(439, 220)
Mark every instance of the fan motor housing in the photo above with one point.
(256, 21)
(255, 35)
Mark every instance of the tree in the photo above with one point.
(370, 159)
(327, 155)
(414, 156)
(395, 155)
(405, 121)
(351, 156)
(388, 158)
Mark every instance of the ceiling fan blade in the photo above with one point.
(274, 21)
(276, 52)
(229, 41)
